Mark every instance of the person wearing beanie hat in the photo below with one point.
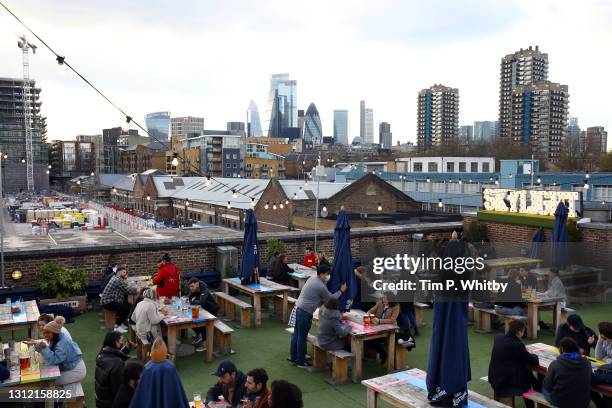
(147, 319)
(575, 329)
(58, 349)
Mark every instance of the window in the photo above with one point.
(450, 167)
(453, 188)
(227, 156)
(462, 167)
(228, 174)
(432, 167)
(603, 193)
(418, 167)
(235, 156)
(485, 168)
(474, 167)
(439, 187)
(228, 166)
(470, 187)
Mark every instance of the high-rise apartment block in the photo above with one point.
(70, 159)
(520, 68)
(366, 123)
(110, 148)
(437, 116)
(538, 117)
(596, 141)
(341, 126)
(13, 139)
(186, 127)
(385, 137)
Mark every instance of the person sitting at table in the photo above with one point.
(385, 312)
(139, 297)
(576, 330)
(510, 368)
(331, 331)
(322, 260)
(567, 383)
(109, 368)
(199, 294)
(555, 286)
(5, 373)
(363, 300)
(313, 294)
(272, 261)
(310, 259)
(168, 279)
(285, 395)
(231, 385)
(257, 392)
(508, 302)
(114, 297)
(43, 319)
(603, 349)
(527, 279)
(280, 271)
(129, 381)
(160, 385)
(148, 319)
(59, 350)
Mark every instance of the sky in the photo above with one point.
(210, 58)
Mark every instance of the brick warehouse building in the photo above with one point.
(368, 195)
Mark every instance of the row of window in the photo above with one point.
(432, 167)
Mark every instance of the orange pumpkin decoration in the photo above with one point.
(159, 351)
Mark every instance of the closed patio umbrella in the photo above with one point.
(249, 263)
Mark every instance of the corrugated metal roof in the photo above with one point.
(298, 190)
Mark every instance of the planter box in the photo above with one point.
(76, 302)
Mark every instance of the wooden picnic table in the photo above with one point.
(547, 354)
(38, 376)
(257, 291)
(360, 334)
(407, 389)
(27, 317)
(301, 274)
(534, 304)
(180, 318)
(511, 262)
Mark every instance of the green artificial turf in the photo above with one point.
(268, 347)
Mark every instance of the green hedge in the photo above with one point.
(531, 220)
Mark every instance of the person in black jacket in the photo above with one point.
(567, 383)
(199, 294)
(509, 302)
(129, 382)
(109, 367)
(230, 385)
(510, 371)
(576, 330)
(527, 279)
(280, 271)
(5, 373)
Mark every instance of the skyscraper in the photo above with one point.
(158, 126)
(520, 68)
(186, 127)
(366, 123)
(282, 105)
(385, 137)
(466, 132)
(538, 117)
(341, 127)
(313, 132)
(254, 123)
(485, 130)
(596, 143)
(437, 116)
(13, 139)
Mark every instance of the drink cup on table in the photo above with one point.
(197, 399)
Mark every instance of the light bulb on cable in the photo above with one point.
(440, 204)
(266, 206)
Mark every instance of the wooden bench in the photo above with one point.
(109, 319)
(538, 398)
(508, 318)
(223, 337)
(418, 312)
(485, 317)
(278, 304)
(340, 360)
(400, 357)
(227, 306)
(143, 351)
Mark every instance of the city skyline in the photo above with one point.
(221, 88)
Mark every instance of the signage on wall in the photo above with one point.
(538, 202)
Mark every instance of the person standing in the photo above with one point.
(129, 381)
(114, 297)
(310, 258)
(567, 383)
(510, 368)
(199, 294)
(109, 368)
(168, 278)
(313, 294)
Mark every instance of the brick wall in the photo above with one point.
(193, 256)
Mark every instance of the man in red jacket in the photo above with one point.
(168, 278)
(310, 259)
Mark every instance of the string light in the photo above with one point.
(287, 202)
(539, 180)
(187, 203)
(586, 184)
(79, 182)
(148, 198)
(234, 195)
(324, 209)
(440, 203)
(496, 181)
(379, 207)
(587, 175)
(266, 206)
(253, 202)
(460, 181)
(114, 189)
(23, 160)
(428, 180)
(281, 205)
(229, 205)
(274, 206)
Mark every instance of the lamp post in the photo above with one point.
(2, 158)
(317, 202)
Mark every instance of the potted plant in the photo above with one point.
(62, 285)
(274, 245)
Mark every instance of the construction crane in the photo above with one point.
(27, 113)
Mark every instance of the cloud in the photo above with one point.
(210, 58)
